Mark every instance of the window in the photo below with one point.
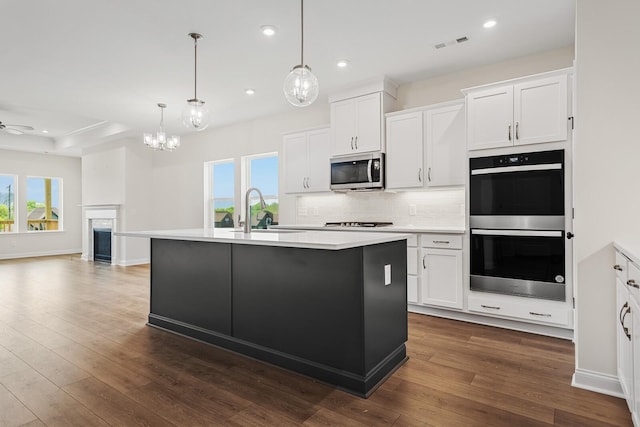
(221, 209)
(43, 204)
(262, 173)
(7, 203)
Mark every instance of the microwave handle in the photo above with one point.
(369, 166)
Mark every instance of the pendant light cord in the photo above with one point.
(302, 33)
(195, 68)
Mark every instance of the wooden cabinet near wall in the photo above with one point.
(426, 146)
(306, 161)
(357, 117)
(518, 112)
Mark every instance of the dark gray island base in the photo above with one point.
(326, 314)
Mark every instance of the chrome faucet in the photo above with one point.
(247, 208)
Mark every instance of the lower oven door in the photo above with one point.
(527, 263)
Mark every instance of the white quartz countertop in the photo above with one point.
(385, 229)
(630, 249)
(331, 240)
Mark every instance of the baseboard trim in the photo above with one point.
(598, 382)
(41, 254)
(130, 262)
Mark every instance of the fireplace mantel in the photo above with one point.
(91, 213)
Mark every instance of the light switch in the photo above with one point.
(387, 274)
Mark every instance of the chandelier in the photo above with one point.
(195, 115)
(301, 85)
(160, 141)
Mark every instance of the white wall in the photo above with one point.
(120, 173)
(607, 149)
(24, 244)
(178, 176)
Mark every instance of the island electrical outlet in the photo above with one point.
(387, 274)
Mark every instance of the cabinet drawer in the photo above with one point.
(620, 267)
(534, 311)
(443, 241)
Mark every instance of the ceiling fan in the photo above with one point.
(15, 129)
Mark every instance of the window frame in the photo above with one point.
(209, 197)
(16, 205)
(60, 202)
(246, 175)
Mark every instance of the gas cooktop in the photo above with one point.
(358, 224)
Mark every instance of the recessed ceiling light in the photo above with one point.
(342, 63)
(45, 131)
(489, 24)
(268, 30)
(249, 91)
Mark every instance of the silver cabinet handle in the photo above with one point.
(420, 175)
(424, 266)
(632, 283)
(517, 133)
(446, 242)
(533, 313)
(617, 267)
(352, 143)
(429, 174)
(624, 328)
(492, 307)
(356, 142)
(509, 131)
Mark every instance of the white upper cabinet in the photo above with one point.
(526, 111)
(404, 151)
(306, 161)
(356, 125)
(426, 146)
(445, 148)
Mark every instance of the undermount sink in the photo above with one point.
(267, 230)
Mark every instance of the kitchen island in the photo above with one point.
(329, 305)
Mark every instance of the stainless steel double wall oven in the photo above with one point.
(517, 222)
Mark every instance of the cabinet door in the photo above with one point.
(318, 175)
(295, 162)
(489, 120)
(368, 123)
(634, 354)
(441, 281)
(343, 127)
(540, 111)
(445, 135)
(404, 151)
(625, 318)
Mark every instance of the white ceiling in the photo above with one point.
(91, 71)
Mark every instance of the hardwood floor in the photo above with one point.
(75, 350)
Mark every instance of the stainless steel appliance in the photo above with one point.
(517, 217)
(357, 224)
(358, 172)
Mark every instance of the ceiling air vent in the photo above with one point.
(451, 42)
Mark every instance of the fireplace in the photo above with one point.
(102, 244)
(99, 242)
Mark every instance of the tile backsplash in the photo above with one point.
(435, 208)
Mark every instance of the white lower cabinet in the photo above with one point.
(434, 270)
(628, 331)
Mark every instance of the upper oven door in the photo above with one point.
(357, 172)
(530, 184)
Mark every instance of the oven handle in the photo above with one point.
(526, 168)
(524, 233)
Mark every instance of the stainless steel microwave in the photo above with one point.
(358, 172)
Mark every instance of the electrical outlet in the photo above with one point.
(387, 274)
(413, 210)
(302, 211)
(314, 211)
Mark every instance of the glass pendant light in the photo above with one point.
(195, 114)
(301, 85)
(159, 141)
